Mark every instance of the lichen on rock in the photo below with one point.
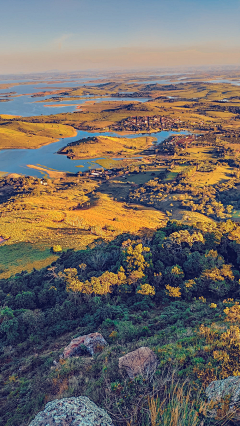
(80, 411)
(225, 394)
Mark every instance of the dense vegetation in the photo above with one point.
(168, 291)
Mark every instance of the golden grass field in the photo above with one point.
(191, 217)
(210, 91)
(103, 146)
(47, 220)
(8, 116)
(200, 152)
(110, 163)
(20, 134)
(220, 174)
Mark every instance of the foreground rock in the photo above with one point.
(142, 362)
(93, 343)
(228, 390)
(72, 411)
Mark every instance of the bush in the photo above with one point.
(57, 249)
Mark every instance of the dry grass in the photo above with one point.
(129, 219)
(51, 219)
(102, 146)
(8, 116)
(220, 174)
(200, 152)
(220, 114)
(176, 407)
(109, 163)
(20, 134)
(24, 257)
(51, 173)
(190, 217)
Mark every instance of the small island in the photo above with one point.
(107, 146)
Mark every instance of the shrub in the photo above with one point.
(57, 249)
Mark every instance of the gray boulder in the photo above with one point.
(72, 412)
(225, 390)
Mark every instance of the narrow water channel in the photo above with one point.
(16, 160)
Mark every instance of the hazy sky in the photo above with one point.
(44, 35)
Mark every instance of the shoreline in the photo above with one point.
(58, 106)
(148, 145)
(44, 144)
(51, 173)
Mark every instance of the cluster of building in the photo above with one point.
(99, 173)
(105, 174)
(147, 123)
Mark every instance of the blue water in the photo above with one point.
(26, 106)
(16, 160)
(161, 81)
(37, 86)
(235, 83)
(182, 80)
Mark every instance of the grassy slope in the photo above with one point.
(102, 146)
(50, 219)
(20, 134)
(193, 90)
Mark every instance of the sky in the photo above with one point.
(71, 35)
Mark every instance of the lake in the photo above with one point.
(16, 160)
(26, 106)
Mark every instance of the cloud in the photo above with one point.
(59, 41)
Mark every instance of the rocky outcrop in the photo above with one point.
(72, 411)
(92, 343)
(227, 390)
(142, 362)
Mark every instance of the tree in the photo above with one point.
(173, 291)
(9, 325)
(101, 285)
(146, 290)
(135, 259)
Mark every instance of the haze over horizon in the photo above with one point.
(67, 35)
